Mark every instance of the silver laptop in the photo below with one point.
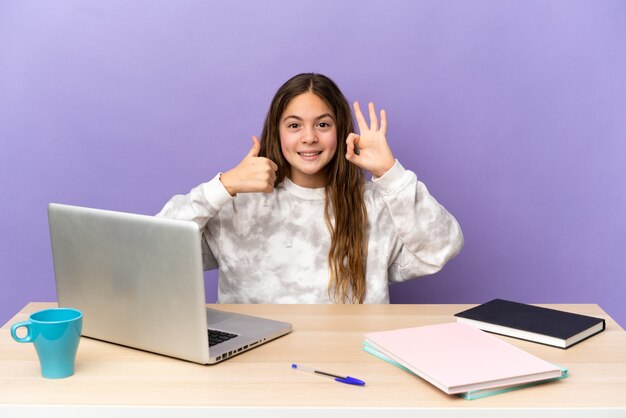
(139, 282)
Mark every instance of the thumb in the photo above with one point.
(352, 151)
(256, 147)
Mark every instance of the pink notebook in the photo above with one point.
(457, 358)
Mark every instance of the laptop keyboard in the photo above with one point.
(216, 337)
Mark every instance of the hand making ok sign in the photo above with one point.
(369, 150)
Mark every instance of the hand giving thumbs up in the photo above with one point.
(253, 174)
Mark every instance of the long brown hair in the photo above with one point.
(345, 212)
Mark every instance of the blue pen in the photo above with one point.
(343, 379)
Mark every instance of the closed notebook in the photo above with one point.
(472, 394)
(533, 323)
(458, 358)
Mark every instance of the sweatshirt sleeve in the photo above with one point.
(429, 236)
(200, 205)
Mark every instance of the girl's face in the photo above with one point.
(308, 139)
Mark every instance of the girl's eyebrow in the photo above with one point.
(325, 115)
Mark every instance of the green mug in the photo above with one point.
(55, 333)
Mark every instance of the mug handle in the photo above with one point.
(28, 338)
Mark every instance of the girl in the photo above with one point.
(295, 221)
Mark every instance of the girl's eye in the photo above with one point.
(323, 124)
(293, 125)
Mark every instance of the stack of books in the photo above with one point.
(460, 359)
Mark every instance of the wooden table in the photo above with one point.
(118, 381)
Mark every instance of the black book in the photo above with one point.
(532, 323)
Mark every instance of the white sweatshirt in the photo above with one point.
(273, 247)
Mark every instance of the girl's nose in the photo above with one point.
(309, 136)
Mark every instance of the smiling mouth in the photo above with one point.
(309, 154)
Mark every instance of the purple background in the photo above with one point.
(512, 112)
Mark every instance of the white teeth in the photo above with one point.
(310, 154)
